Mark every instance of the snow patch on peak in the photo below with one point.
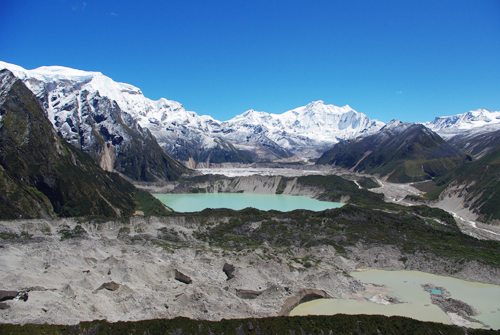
(305, 131)
(50, 73)
(393, 123)
(480, 120)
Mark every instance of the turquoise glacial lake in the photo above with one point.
(284, 203)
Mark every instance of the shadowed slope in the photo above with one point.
(405, 152)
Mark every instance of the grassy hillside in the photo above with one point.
(480, 181)
(477, 144)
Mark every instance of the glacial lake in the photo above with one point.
(405, 285)
(284, 203)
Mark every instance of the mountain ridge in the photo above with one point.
(403, 152)
(186, 134)
(43, 176)
(480, 120)
(200, 140)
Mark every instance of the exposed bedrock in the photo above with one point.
(302, 296)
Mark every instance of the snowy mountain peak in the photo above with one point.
(306, 131)
(315, 103)
(50, 73)
(393, 123)
(479, 120)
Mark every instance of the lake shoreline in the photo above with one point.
(410, 294)
(188, 203)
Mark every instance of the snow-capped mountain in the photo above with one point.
(83, 105)
(481, 120)
(305, 131)
(86, 110)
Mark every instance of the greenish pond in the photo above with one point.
(284, 203)
(406, 286)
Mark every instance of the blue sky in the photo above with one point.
(409, 60)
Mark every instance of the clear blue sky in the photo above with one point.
(406, 59)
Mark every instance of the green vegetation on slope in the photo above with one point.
(337, 187)
(412, 229)
(481, 179)
(335, 324)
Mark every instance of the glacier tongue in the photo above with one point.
(304, 131)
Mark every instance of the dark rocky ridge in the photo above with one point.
(405, 152)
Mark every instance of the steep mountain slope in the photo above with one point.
(403, 151)
(479, 121)
(83, 109)
(70, 97)
(475, 185)
(43, 176)
(478, 144)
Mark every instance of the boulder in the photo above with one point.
(110, 286)
(182, 277)
(229, 270)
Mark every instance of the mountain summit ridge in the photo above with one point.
(305, 131)
(480, 120)
(201, 140)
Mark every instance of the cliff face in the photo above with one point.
(43, 176)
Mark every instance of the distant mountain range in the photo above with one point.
(144, 140)
(72, 97)
(479, 121)
(124, 131)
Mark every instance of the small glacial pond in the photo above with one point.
(284, 203)
(406, 287)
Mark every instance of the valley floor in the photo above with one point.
(79, 272)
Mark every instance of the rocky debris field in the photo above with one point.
(74, 271)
